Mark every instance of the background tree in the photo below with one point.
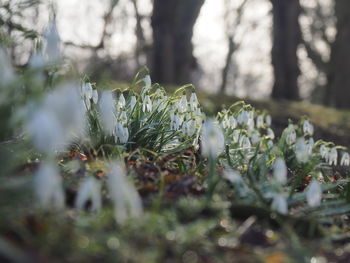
(339, 77)
(286, 39)
(233, 18)
(172, 24)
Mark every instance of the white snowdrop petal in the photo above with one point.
(280, 171)
(314, 194)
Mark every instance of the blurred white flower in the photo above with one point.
(333, 156)
(345, 159)
(59, 120)
(243, 117)
(121, 102)
(126, 200)
(290, 134)
(255, 137)
(193, 101)
(48, 187)
(301, 151)
(95, 96)
(324, 152)
(270, 143)
(86, 90)
(133, 101)
(191, 127)
(279, 204)
(308, 128)
(121, 133)
(212, 139)
(232, 175)
(183, 104)
(147, 104)
(310, 145)
(46, 132)
(233, 122)
(148, 82)
(244, 142)
(90, 189)
(270, 133)
(280, 171)
(314, 193)
(268, 120)
(36, 60)
(260, 121)
(52, 43)
(107, 110)
(6, 70)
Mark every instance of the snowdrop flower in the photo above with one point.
(191, 127)
(123, 118)
(183, 104)
(90, 189)
(310, 145)
(233, 176)
(48, 187)
(64, 102)
(333, 157)
(280, 171)
(58, 121)
(255, 137)
(87, 90)
(345, 159)
(268, 120)
(121, 133)
(176, 122)
(148, 82)
(46, 132)
(301, 151)
(235, 136)
(260, 121)
(132, 102)
(107, 110)
(243, 117)
(244, 142)
(314, 193)
(279, 204)
(250, 124)
(147, 104)
(6, 70)
(36, 61)
(308, 128)
(225, 122)
(324, 151)
(193, 101)
(87, 104)
(291, 135)
(270, 133)
(52, 47)
(270, 143)
(95, 96)
(212, 139)
(126, 200)
(121, 102)
(233, 122)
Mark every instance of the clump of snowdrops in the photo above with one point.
(290, 174)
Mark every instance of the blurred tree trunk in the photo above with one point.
(172, 24)
(286, 39)
(339, 76)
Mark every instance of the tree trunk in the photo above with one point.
(339, 77)
(172, 24)
(286, 39)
